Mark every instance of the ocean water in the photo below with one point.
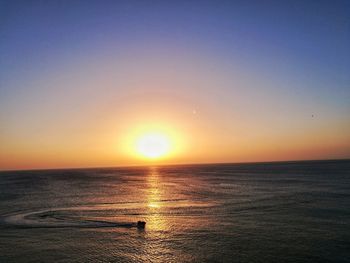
(272, 212)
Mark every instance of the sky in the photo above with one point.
(227, 81)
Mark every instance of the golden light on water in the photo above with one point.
(153, 205)
(155, 194)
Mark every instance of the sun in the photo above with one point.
(153, 145)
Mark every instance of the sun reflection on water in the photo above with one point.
(171, 210)
(153, 205)
(155, 196)
(156, 232)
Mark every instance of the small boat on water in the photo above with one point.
(141, 224)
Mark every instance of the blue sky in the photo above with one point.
(291, 57)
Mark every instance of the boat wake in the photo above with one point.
(59, 218)
(97, 215)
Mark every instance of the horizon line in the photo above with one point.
(172, 164)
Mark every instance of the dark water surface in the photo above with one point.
(273, 212)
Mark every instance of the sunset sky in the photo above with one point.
(224, 81)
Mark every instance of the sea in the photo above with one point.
(253, 212)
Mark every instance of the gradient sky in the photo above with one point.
(232, 81)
